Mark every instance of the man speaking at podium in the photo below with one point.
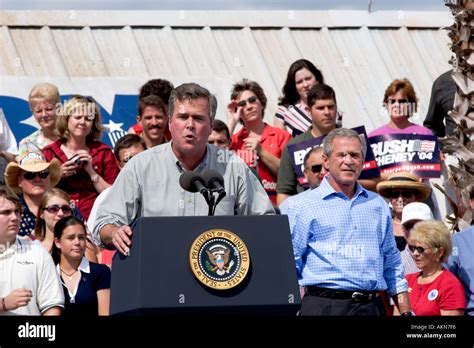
(149, 183)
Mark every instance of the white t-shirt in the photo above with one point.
(27, 264)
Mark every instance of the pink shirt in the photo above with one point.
(413, 129)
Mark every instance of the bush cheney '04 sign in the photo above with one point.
(418, 154)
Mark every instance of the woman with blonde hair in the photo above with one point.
(44, 102)
(434, 290)
(88, 165)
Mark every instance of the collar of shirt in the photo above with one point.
(327, 190)
(302, 106)
(24, 206)
(10, 249)
(181, 168)
(84, 266)
(267, 131)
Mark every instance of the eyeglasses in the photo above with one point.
(251, 100)
(399, 101)
(54, 209)
(316, 168)
(404, 194)
(31, 175)
(420, 250)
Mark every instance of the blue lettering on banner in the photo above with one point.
(123, 116)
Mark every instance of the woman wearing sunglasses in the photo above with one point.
(30, 178)
(257, 143)
(401, 189)
(401, 103)
(293, 113)
(88, 165)
(434, 290)
(86, 284)
(55, 205)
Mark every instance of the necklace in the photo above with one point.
(68, 276)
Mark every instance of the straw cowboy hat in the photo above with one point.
(403, 180)
(31, 162)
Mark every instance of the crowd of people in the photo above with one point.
(361, 247)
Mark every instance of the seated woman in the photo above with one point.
(257, 143)
(86, 284)
(401, 103)
(43, 101)
(293, 112)
(55, 205)
(88, 165)
(401, 189)
(434, 290)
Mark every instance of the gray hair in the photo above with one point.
(192, 91)
(343, 133)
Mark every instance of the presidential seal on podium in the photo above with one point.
(219, 259)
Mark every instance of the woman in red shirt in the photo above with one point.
(434, 290)
(88, 165)
(257, 143)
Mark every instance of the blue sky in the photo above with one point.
(377, 5)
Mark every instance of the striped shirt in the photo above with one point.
(343, 243)
(408, 263)
(297, 118)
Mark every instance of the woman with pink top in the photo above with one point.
(401, 102)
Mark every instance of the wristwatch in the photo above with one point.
(407, 314)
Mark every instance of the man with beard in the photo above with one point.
(153, 119)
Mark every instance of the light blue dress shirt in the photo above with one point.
(343, 243)
(461, 264)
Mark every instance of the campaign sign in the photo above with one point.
(415, 153)
(297, 152)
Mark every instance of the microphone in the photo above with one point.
(193, 182)
(214, 181)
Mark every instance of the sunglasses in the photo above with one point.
(408, 226)
(54, 209)
(31, 175)
(404, 194)
(316, 168)
(420, 250)
(251, 100)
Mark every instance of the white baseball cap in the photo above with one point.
(416, 211)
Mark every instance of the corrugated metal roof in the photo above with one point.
(358, 52)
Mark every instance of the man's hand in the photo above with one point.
(18, 298)
(121, 239)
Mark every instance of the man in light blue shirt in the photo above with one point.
(343, 240)
(461, 260)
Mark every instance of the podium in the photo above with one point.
(157, 277)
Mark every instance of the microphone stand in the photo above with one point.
(209, 196)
